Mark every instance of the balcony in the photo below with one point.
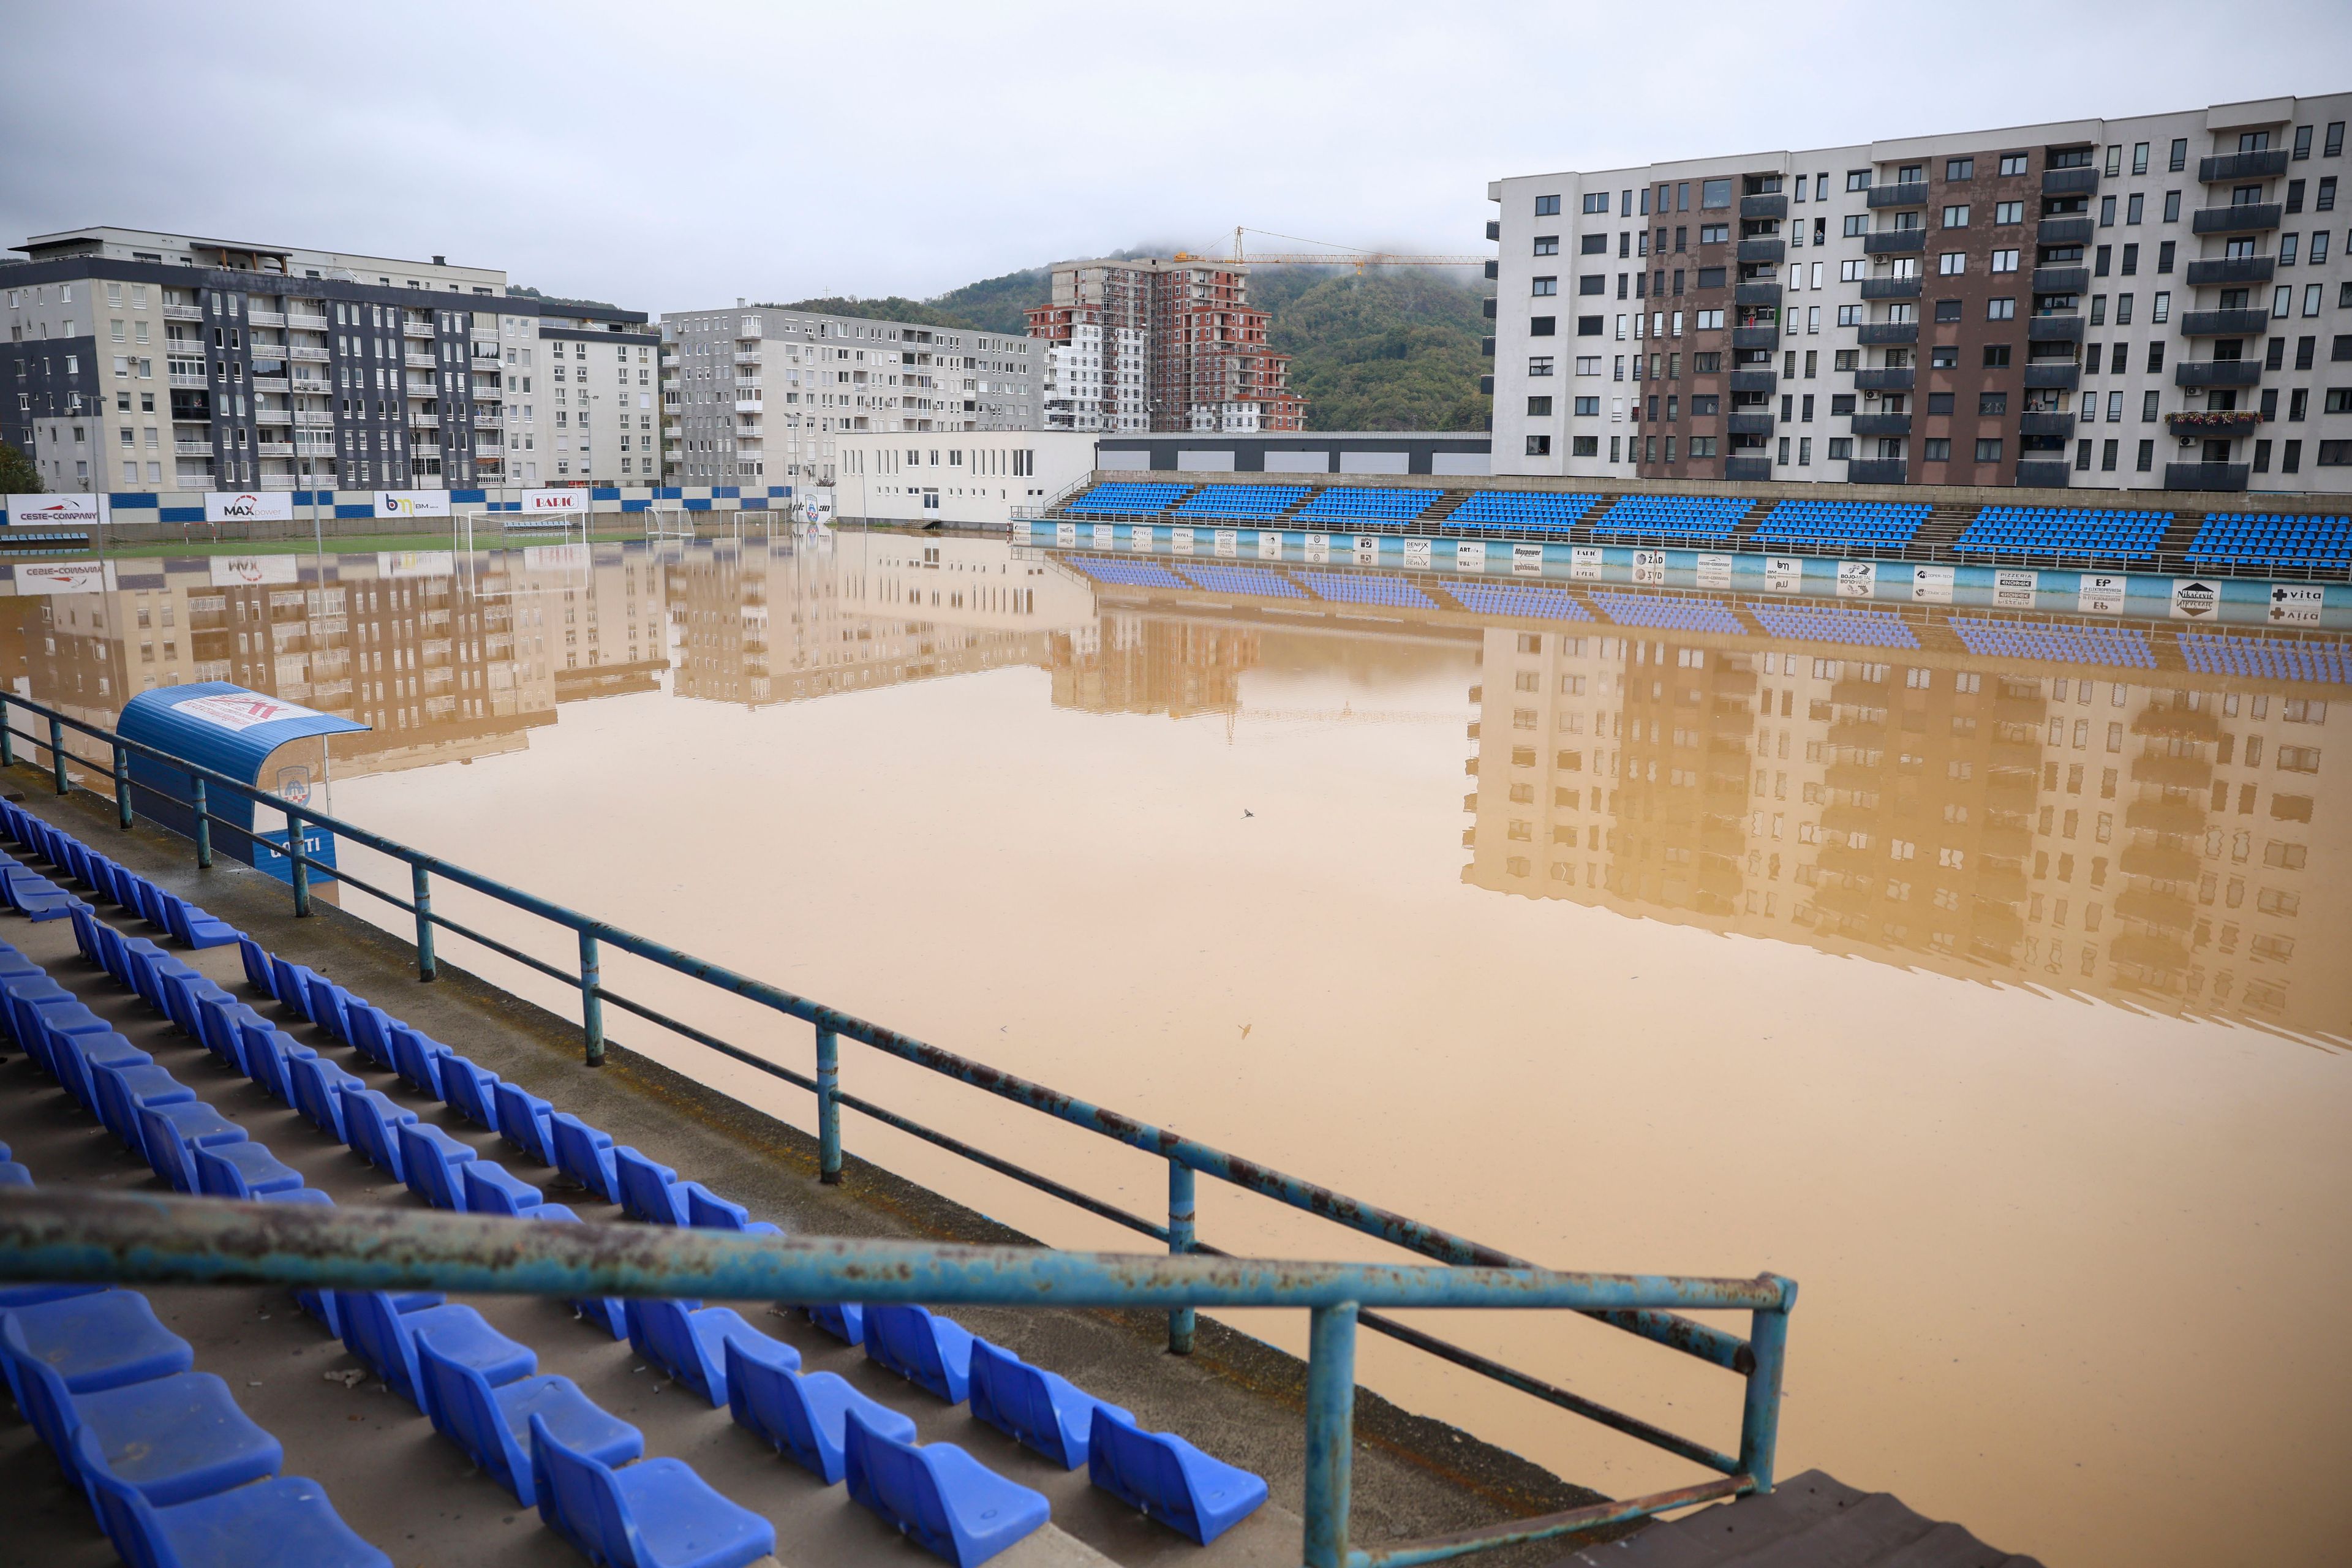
(1749, 424)
(2218, 372)
(273, 415)
(191, 449)
(2069, 182)
(415, 359)
(1747, 294)
(2067, 329)
(2046, 424)
(747, 356)
(1877, 471)
(2075, 230)
(269, 482)
(1762, 249)
(1755, 337)
(1914, 195)
(1753, 381)
(2061, 280)
(1748, 468)
(1774, 205)
(2204, 475)
(488, 392)
(2231, 270)
(424, 449)
(2242, 217)
(274, 448)
(743, 380)
(2068, 375)
(2267, 164)
(271, 383)
(1891, 287)
(749, 406)
(301, 353)
(1882, 424)
(183, 312)
(1878, 332)
(673, 432)
(485, 421)
(420, 389)
(487, 449)
(313, 446)
(668, 360)
(1898, 380)
(1895, 242)
(298, 323)
(310, 420)
(2224, 323)
(424, 421)
(415, 329)
(2221, 425)
(1494, 228)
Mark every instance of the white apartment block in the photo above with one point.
(139, 362)
(759, 394)
(2147, 303)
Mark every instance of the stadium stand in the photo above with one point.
(1353, 588)
(1241, 503)
(1668, 614)
(1125, 574)
(2275, 658)
(1125, 500)
(1675, 517)
(2065, 530)
(1517, 599)
(1240, 580)
(1527, 512)
(1882, 525)
(2265, 538)
(1348, 505)
(1822, 623)
(2121, 645)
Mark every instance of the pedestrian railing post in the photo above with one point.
(297, 863)
(1330, 1432)
(1759, 1416)
(123, 787)
(57, 753)
(203, 823)
(592, 1006)
(420, 883)
(1180, 1242)
(828, 1107)
(7, 736)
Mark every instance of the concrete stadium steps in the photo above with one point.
(1944, 526)
(1807, 1521)
(2174, 546)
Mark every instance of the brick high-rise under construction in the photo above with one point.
(1155, 346)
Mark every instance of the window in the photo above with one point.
(1594, 202)
(1960, 168)
(1708, 320)
(1989, 449)
(1713, 234)
(1955, 216)
(1587, 365)
(1938, 449)
(2179, 158)
(1856, 225)
(1857, 179)
(1842, 448)
(1947, 310)
(2014, 162)
(1851, 315)
(1590, 447)
(2298, 759)
(1992, 404)
(1996, 356)
(1714, 195)
(1549, 244)
(1592, 283)
(1542, 326)
(2004, 260)
(2001, 309)
(1952, 263)
(1706, 405)
(2335, 147)
(1943, 356)
(1539, 364)
(1587, 327)
(1548, 206)
(1539, 407)
(1546, 285)
(1538, 446)
(1586, 407)
(2007, 213)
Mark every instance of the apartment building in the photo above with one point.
(725, 372)
(1149, 345)
(2147, 303)
(976, 480)
(138, 362)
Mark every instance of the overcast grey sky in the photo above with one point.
(676, 155)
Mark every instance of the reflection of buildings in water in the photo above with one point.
(2130, 839)
(1129, 663)
(760, 622)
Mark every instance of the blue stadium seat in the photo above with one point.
(1240, 504)
(107, 1339)
(2269, 539)
(656, 1513)
(1520, 511)
(371, 1028)
(929, 1351)
(2121, 645)
(803, 1416)
(74, 1060)
(1706, 518)
(1164, 1478)
(384, 1338)
(1884, 526)
(939, 1497)
(372, 1125)
(1125, 500)
(845, 1320)
(1366, 588)
(1369, 506)
(270, 1056)
(2267, 659)
(247, 1170)
(604, 1311)
(706, 1210)
(120, 1091)
(1821, 623)
(490, 1188)
(167, 1134)
(318, 1086)
(285, 1523)
(429, 1164)
(329, 1002)
(1240, 580)
(648, 1190)
(1040, 1410)
(172, 1439)
(690, 1340)
(1669, 613)
(258, 973)
(416, 1057)
(1125, 574)
(467, 1090)
(492, 1422)
(585, 1153)
(523, 1122)
(1517, 599)
(2077, 531)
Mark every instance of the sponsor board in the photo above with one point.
(413, 503)
(2292, 603)
(1714, 571)
(64, 576)
(1857, 579)
(1180, 539)
(1527, 560)
(1368, 549)
(270, 851)
(252, 571)
(1269, 544)
(1229, 541)
(1469, 555)
(1584, 563)
(2100, 593)
(1319, 548)
(1416, 552)
(416, 564)
(1141, 536)
(1932, 585)
(2013, 588)
(2195, 599)
(1784, 574)
(54, 511)
(249, 506)
(242, 710)
(555, 500)
(1650, 566)
(555, 557)
(1066, 534)
(1106, 535)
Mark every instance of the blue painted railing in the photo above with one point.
(1757, 1358)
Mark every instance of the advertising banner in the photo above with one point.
(416, 503)
(546, 501)
(54, 511)
(64, 576)
(252, 571)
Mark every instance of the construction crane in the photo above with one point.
(1338, 256)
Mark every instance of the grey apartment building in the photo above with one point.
(140, 361)
(757, 393)
(2161, 303)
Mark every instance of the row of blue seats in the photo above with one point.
(1876, 524)
(2261, 538)
(1368, 503)
(2118, 535)
(694, 1343)
(1695, 517)
(1124, 500)
(177, 1475)
(1243, 501)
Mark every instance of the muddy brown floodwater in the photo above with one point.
(2000, 1000)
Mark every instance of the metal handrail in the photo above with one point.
(1185, 1157)
(67, 1235)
